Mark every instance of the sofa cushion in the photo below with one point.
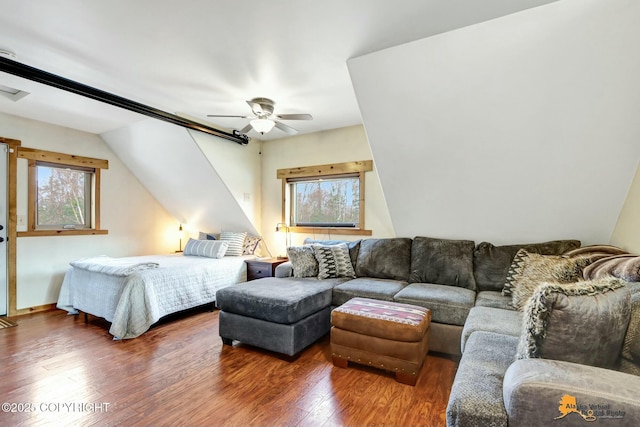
(529, 270)
(493, 299)
(367, 287)
(333, 261)
(354, 247)
(448, 304)
(442, 262)
(487, 319)
(476, 394)
(491, 263)
(277, 300)
(583, 322)
(384, 258)
(303, 261)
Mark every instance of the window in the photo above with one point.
(329, 197)
(63, 193)
(326, 202)
(63, 196)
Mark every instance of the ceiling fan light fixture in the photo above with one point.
(262, 125)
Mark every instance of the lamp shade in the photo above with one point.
(262, 125)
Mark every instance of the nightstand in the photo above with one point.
(262, 267)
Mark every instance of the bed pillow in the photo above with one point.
(333, 261)
(206, 236)
(303, 261)
(206, 248)
(583, 322)
(236, 242)
(250, 245)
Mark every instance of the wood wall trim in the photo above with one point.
(331, 230)
(12, 187)
(324, 170)
(44, 233)
(67, 159)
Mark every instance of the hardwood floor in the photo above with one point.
(68, 372)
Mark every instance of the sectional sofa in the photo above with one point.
(461, 283)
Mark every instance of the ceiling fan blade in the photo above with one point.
(294, 116)
(224, 115)
(286, 129)
(246, 129)
(255, 107)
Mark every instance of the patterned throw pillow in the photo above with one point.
(515, 270)
(530, 270)
(250, 245)
(206, 248)
(333, 261)
(582, 322)
(236, 242)
(303, 261)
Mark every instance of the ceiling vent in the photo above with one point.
(9, 92)
(12, 93)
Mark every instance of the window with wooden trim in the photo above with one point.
(63, 193)
(325, 197)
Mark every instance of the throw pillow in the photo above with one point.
(333, 261)
(206, 248)
(515, 270)
(533, 269)
(303, 261)
(206, 236)
(584, 322)
(625, 267)
(236, 242)
(250, 245)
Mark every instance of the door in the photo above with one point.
(4, 217)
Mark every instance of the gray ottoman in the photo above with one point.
(284, 315)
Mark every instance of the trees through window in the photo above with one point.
(328, 197)
(63, 196)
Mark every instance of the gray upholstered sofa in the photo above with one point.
(449, 277)
(495, 386)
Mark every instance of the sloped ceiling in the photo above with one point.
(207, 57)
(522, 128)
(171, 165)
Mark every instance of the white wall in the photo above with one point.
(627, 231)
(239, 167)
(333, 146)
(523, 128)
(171, 165)
(137, 224)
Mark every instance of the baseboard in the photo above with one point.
(35, 309)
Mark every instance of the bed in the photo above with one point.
(133, 293)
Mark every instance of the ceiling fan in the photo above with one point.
(263, 119)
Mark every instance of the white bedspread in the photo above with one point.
(113, 266)
(134, 302)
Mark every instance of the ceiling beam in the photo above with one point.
(44, 77)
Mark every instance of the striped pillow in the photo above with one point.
(236, 242)
(206, 248)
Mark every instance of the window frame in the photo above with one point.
(334, 170)
(94, 166)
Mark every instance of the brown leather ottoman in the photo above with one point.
(387, 335)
